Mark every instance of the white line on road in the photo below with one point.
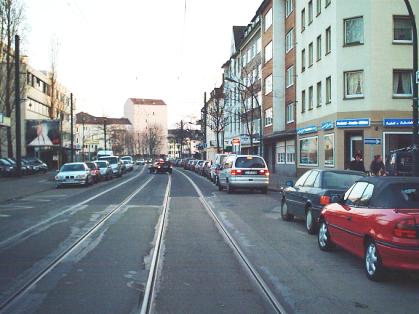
(9, 240)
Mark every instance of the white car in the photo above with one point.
(75, 173)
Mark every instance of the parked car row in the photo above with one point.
(374, 218)
(29, 165)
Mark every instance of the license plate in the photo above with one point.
(251, 172)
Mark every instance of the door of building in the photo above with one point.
(353, 144)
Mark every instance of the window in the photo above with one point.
(403, 30)
(303, 19)
(402, 83)
(268, 117)
(268, 84)
(328, 40)
(319, 94)
(366, 196)
(289, 42)
(303, 60)
(259, 45)
(303, 101)
(354, 31)
(354, 84)
(311, 178)
(308, 151)
(268, 19)
(290, 113)
(319, 47)
(318, 7)
(328, 90)
(310, 98)
(281, 153)
(310, 12)
(310, 55)
(354, 195)
(290, 152)
(290, 76)
(327, 3)
(268, 52)
(289, 7)
(303, 178)
(329, 150)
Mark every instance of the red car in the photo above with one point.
(378, 220)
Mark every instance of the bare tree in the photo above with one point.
(216, 110)
(56, 104)
(153, 139)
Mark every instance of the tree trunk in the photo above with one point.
(8, 86)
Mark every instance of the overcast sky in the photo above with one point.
(113, 50)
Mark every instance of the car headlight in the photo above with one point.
(81, 176)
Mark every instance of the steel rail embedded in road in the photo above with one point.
(152, 275)
(239, 253)
(57, 260)
(4, 244)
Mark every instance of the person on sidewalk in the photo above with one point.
(377, 167)
(357, 164)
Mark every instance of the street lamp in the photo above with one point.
(260, 110)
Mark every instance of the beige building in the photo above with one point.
(354, 80)
(145, 114)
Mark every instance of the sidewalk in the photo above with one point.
(15, 188)
(278, 182)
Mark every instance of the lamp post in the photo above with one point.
(415, 91)
(252, 93)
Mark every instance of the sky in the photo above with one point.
(109, 51)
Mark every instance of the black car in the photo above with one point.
(6, 168)
(161, 167)
(313, 190)
(400, 162)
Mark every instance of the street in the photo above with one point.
(175, 244)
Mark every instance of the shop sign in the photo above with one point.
(407, 122)
(235, 141)
(353, 123)
(327, 125)
(307, 130)
(372, 141)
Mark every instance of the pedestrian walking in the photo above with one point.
(357, 164)
(377, 167)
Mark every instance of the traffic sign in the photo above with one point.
(372, 141)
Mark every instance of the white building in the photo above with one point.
(354, 80)
(145, 114)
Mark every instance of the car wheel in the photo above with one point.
(230, 189)
(284, 211)
(310, 222)
(220, 187)
(264, 190)
(372, 262)
(323, 238)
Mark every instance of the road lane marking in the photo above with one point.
(13, 238)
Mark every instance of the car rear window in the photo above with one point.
(335, 180)
(249, 162)
(91, 165)
(74, 167)
(101, 164)
(112, 160)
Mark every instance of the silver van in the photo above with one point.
(244, 172)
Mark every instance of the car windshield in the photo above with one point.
(336, 180)
(249, 162)
(101, 164)
(91, 165)
(72, 167)
(111, 160)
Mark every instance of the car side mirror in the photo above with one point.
(289, 183)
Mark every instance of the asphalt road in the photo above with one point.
(106, 271)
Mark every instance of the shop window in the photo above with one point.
(309, 151)
(329, 150)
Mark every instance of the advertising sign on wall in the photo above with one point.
(42, 133)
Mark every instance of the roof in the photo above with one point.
(144, 101)
(388, 180)
(238, 34)
(83, 117)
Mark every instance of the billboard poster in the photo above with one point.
(42, 133)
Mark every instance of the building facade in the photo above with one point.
(354, 81)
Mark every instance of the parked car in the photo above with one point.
(128, 158)
(23, 168)
(76, 173)
(215, 169)
(198, 166)
(188, 164)
(207, 168)
(244, 172)
(400, 162)
(105, 169)
(95, 171)
(314, 189)
(377, 220)
(115, 164)
(6, 168)
(37, 163)
(128, 165)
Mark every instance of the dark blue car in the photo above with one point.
(313, 190)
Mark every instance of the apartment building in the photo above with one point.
(146, 114)
(354, 80)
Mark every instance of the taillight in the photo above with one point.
(324, 200)
(406, 229)
(264, 172)
(236, 172)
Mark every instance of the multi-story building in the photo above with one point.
(90, 133)
(354, 80)
(146, 114)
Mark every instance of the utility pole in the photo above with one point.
(104, 131)
(71, 129)
(181, 137)
(415, 91)
(17, 107)
(205, 125)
